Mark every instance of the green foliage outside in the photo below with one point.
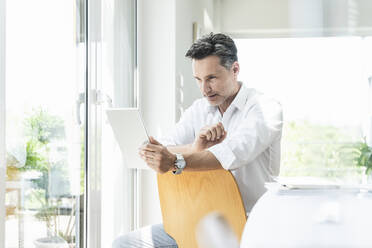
(44, 127)
(42, 130)
(363, 154)
(46, 154)
(320, 151)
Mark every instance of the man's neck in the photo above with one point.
(223, 107)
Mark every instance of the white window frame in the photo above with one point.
(94, 115)
(92, 202)
(2, 124)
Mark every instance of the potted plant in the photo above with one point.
(363, 157)
(58, 236)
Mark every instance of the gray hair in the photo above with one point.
(220, 45)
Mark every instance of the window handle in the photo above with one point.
(98, 98)
(80, 100)
(102, 98)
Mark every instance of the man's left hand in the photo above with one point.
(209, 136)
(157, 156)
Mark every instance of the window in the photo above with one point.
(322, 84)
(44, 143)
(53, 67)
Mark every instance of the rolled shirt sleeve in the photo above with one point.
(259, 128)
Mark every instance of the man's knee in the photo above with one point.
(149, 236)
(120, 242)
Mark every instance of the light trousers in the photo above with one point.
(147, 237)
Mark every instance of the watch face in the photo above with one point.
(180, 162)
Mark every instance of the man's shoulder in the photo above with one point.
(258, 99)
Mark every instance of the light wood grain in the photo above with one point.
(186, 198)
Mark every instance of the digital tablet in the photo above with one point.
(130, 133)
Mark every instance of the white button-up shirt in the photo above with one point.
(251, 149)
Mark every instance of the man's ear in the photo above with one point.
(235, 68)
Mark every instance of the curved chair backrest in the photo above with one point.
(186, 198)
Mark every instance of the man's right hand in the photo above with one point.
(209, 136)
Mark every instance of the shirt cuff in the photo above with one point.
(223, 154)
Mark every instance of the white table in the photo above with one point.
(310, 218)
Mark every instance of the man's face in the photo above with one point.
(216, 83)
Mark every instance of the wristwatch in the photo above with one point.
(179, 164)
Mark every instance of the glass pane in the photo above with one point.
(45, 142)
(323, 86)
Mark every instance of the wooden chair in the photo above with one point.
(186, 198)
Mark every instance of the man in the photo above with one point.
(231, 127)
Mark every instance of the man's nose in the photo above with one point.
(206, 87)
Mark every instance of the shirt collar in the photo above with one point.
(238, 102)
(241, 98)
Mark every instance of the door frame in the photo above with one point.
(94, 118)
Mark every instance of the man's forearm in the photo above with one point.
(203, 160)
(196, 160)
(180, 149)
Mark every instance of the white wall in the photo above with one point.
(164, 35)
(156, 61)
(187, 12)
(288, 18)
(236, 16)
